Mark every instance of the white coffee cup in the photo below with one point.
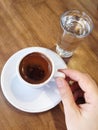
(32, 68)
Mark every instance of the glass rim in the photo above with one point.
(82, 14)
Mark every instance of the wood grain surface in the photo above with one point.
(28, 23)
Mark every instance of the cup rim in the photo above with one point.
(30, 84)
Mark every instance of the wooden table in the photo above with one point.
(27, 23)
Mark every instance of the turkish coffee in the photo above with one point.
(35, 68)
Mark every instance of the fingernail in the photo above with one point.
(59, 82)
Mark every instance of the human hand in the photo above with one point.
(81, 116)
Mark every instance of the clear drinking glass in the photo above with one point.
(75, 26)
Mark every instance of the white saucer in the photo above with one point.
(25, 98)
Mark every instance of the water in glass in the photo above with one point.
(75, 25)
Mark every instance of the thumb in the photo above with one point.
(69, 104)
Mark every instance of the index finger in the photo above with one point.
(86, 83)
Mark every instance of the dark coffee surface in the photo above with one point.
(35, 72)
(35, 68)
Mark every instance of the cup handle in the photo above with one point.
(59, 74)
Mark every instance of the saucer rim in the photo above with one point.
(5, 93)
